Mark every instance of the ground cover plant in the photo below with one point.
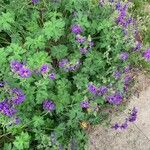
(62, 63)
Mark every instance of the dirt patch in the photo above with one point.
(137, 135)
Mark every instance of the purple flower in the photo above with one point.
(18, 97)
(17, 121)
(83, 50)
(80, 39)
(115, 99)
(91, 43)
(129, 21)
(35, 1)
(4, 104)
(52, 76)
(63, 62)
(126, 69)
(85, 104)
(2, 83)
(102, 90)
(126, 88)
(133, 115)
(49, 105)
(117, 74)
(138, 46)
(115, 126)
(92, 88)
(118, 6)
(10, 111)
(76, 29)
(24, 72)
(131, 118)
(44, 68)
(147, 54)
(127, 79)
(124, 56)
(15, 66)
(7, 109)
(72, 67)
(124, 125)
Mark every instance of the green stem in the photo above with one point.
(5, 134)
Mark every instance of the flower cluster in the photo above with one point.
(7, 106)
(132, 118)
(48, 105)
(7, 109)
(126, 21)
(20, 69)
(122, 19)
(18, 96)
(69, 66)
(117, 74)
(97, 91)
(45, 69)
(85, 44)
(115, 99)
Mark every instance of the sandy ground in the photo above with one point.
(137, 135)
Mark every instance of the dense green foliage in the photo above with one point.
(40, 33)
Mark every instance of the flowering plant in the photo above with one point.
(62, 62)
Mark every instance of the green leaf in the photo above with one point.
(6, 20)
(54, 29)
(38, 121)
(34, 43)
(22, 141)
(59, 51)
(38, 59)
(7, 146)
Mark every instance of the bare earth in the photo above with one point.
(137, 136)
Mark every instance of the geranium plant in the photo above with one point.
(62, 62)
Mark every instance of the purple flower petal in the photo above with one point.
(147, 54)
(76, 29)
(49, 105)
(25, 72)
(124, 56)
(92, 88)
(85, 104)
(52, 76)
